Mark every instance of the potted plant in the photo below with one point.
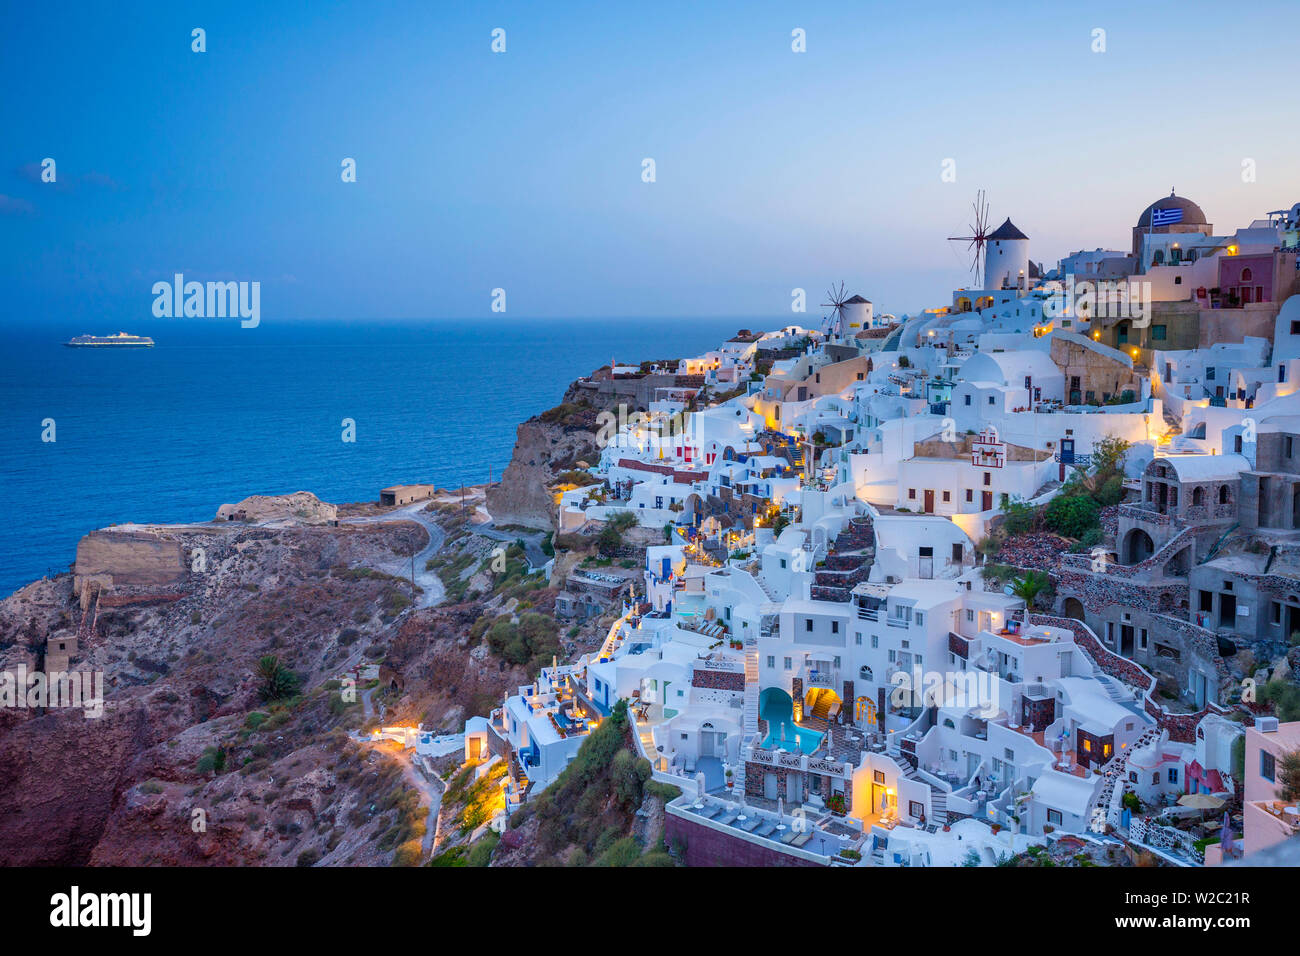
(730, 782)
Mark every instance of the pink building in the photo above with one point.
(1268, 820)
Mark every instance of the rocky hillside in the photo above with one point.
(188, 737)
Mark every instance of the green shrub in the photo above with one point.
(1072, 515)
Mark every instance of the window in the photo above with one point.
(1236, 444)
(970, 494)
(911, 493)
(875, 642)
(1178, 280)
(968, 397)
(988, 478)
(957, 554)
(857, 638)
(1155, 779)
(878, 776)
(835, 627)
(916, 808)
(807, 624)
(783, 564)
(1173, 774)
(1247, 275)
(1287, 444)
(1267, 765)
(947, 496)
(920, 620)
(771, 660)
(970, 614)
(1157, 333)
(990, 399)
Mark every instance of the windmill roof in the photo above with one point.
(857, 300)
(1008, 231)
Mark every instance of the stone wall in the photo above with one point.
(108, 559)
(704, 846)
(719, 680)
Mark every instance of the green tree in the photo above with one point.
(1020, 516)
(1072, 515)
(1288, 776)
(1285, 698)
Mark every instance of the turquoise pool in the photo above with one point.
(803, 739)
(776, 707)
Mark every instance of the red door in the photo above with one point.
(929, 501)
(986, 500)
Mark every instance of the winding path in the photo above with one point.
(434, 591)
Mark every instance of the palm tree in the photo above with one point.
(278, 682)
(1028, 586)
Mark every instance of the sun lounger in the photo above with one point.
(710, 811)
(789, 836)
(728, 818)
(766, 829)
(750, 825)
(802, 838)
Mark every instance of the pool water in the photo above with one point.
(792, 737)
(777, 709)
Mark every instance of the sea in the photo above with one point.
(215, 412)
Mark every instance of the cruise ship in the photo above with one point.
(117, 340)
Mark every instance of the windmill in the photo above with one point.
(836, 304)
(978, 237)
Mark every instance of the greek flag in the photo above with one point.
(1166, 217)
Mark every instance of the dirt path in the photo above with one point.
(433, 590)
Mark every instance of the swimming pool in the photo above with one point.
(802, 739)
(776, 707)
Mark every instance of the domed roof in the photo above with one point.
(1007, 231)
(1192, 215)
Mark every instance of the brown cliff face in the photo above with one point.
(179, 680)
(544, 446)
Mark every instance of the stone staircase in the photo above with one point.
(848, 564)
(1114, 689)
(1113, 771)
(822, 709)
(749, 713)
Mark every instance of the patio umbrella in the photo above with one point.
(1201, 801)
(829, 738)
(780, 814)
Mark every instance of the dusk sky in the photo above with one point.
(522, 170)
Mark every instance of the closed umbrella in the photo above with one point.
(1225, 840)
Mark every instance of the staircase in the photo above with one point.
(749, 715)
(1114, 773)
(822, 709)
(939, 805)
(1114, 689)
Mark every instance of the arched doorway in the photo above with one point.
(1138, 546)
(1073, 607)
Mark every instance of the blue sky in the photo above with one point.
(522, 170)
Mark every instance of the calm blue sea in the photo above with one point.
(214, 413)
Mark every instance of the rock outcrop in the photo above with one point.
(301, 507)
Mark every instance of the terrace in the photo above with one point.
(756, 821)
